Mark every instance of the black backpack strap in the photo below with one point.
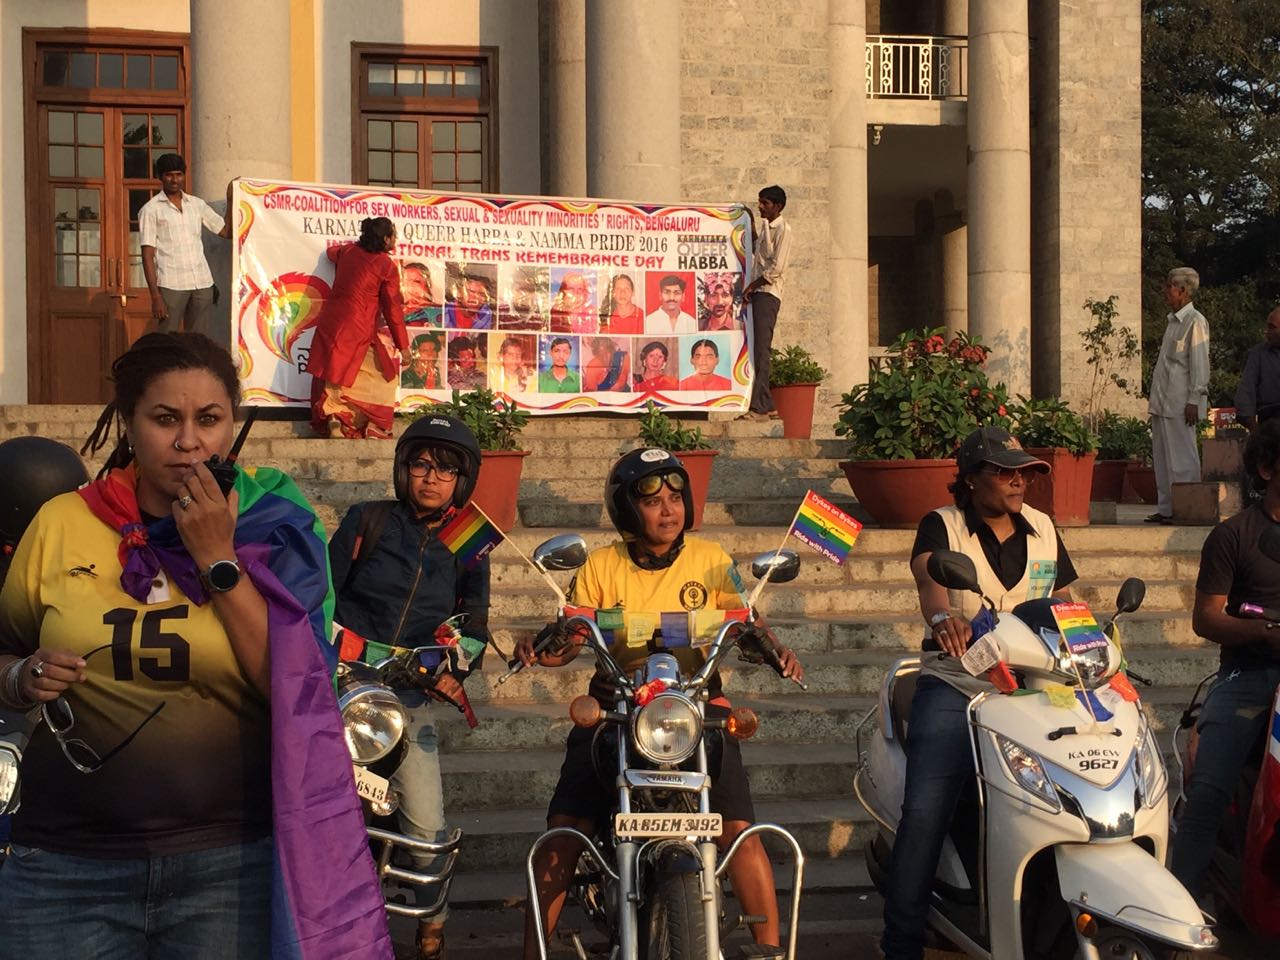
(373, 520)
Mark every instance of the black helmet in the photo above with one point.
(619, 489)
(437, 430)
(32, 471)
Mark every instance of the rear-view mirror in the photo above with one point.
(565, 552)
(777, 567)
(1130, 596)
(953, 570)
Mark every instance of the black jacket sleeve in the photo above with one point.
(341, 547)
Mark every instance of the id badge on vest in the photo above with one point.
(1041, 577)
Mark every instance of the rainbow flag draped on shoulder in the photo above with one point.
(326, 899)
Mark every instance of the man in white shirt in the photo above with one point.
(169, 227)
(670, 318)
(764, 293)
(1179, 391)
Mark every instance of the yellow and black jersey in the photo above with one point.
(197, 775)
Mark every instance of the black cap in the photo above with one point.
(993, 445)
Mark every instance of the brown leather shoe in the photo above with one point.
(430, 941)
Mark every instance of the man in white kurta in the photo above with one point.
(1179, 391)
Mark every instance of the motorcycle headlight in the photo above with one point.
(667, 728)
(10, 760)
(1095, 666)
(1153, 779)
(1026, 770)
(373, 719)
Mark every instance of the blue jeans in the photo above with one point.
(939, 764)
(1233, 717)
(206, 905)
(417, 780)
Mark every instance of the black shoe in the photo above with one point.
(1159, 518)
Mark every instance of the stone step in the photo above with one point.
(488, 780)
(831, 828)
(847, 673)
(901, 634)
(508, 570)
(795, 600)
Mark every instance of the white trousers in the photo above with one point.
(1175, 457)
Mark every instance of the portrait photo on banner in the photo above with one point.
(524, 298)
(719, 300)
(707, 362)
(421, 288)
(467, 367)
(559, 364)
(607, 367)
(656, 364)
(670, 294)
(513, 363)
(622, 310)
(468, 295)
(574, 306)
(426, 355)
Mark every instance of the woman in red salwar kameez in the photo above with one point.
(353, 364)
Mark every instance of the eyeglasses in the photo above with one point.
(60, 719)
(423, 468)
(1006, 474)
(648, 486)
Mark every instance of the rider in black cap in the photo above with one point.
(1018, 556)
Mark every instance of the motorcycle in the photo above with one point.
(12, 739)
(1244, 875)
(650, 879)
(374, 722)
(1069, 804)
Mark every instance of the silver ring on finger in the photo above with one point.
(37, 669)
(184, 501)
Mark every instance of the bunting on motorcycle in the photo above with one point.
(1260, 886)
(637, 628)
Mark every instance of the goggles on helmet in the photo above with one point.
(648, 486)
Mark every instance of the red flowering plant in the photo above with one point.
(922, 400)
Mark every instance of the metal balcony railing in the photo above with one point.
(920, 68)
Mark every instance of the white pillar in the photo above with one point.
(999, 189)
(951, 237)
(847, 193)
(567, 97)
(240, 113)
(633, 99)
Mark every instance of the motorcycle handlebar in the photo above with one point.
(1253, 611)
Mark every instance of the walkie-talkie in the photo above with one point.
(224, 471)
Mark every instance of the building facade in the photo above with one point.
(969, 164)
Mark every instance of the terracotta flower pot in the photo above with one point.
(1108, 480)
(1064, 494)
(897, 493)
(794, 404)
(499, 486)
(698, 464)
(1141, 480)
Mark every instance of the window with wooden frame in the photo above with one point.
(425, 117)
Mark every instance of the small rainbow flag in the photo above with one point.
(470, 535)
(1078, 627)
(825, 527)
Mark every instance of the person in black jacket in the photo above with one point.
(396, 585)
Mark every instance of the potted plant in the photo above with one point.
(659, 430)
(497, 425)
(1121, 441)
(1107, 346)
(793, 380)
(1055, 433)
(905, 423)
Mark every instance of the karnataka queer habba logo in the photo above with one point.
(288, 306)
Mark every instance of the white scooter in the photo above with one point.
(1058, 851)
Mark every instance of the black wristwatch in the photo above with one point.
(220, 576)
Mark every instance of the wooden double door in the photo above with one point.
(99, 111)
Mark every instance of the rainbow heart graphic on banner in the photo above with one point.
(289, 305)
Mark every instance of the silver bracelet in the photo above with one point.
(11, 686)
